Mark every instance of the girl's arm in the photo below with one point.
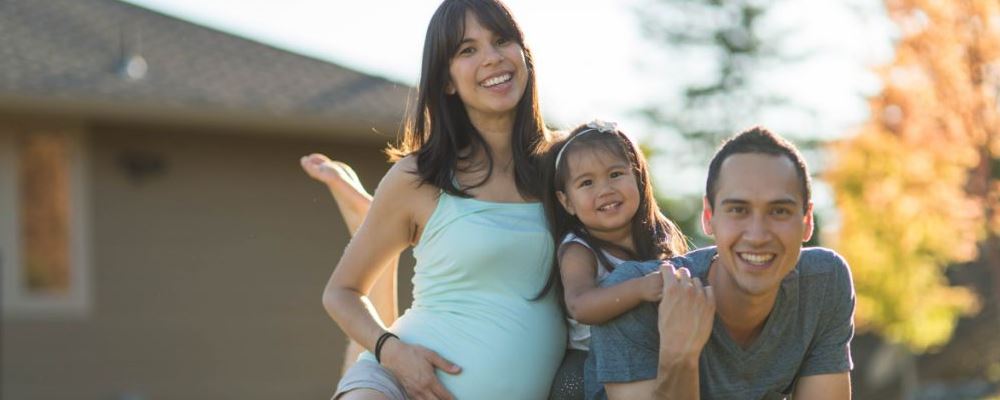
(589, 304)
(386, 231)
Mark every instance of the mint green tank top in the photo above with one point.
(479, 264)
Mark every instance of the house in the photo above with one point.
(158, 239)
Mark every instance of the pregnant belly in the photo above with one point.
(501, 358)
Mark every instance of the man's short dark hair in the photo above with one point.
(761, 141)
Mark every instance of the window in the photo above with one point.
(43, 248)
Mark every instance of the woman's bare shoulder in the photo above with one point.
(403, 175)
(403, 186)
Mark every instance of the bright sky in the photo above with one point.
(591, 57)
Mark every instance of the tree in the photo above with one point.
(728, 36)
(917, 186)
(731, 37)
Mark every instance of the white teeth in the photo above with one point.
(756, 259)
(607, 207)
(497, 80)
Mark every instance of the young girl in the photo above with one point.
(601, 210)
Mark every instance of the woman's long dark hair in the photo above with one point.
(438, 129)
(655, 236)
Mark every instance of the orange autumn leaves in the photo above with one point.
(915, 186)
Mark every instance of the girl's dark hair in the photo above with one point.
(438, 129)
(655, 236)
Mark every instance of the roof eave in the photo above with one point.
(247, 121)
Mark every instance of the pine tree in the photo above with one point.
(728, 36)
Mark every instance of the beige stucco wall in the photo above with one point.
(206, 278)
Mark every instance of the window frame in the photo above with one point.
(18, 301)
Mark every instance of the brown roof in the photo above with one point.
(70, 56)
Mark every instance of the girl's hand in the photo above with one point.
(414, 366)
(651, 287)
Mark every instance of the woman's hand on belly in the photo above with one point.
(414, 365)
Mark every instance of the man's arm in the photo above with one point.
(825, 373)
(824, 387)
(677, 380)
(684, 322)
(686, 314)
(631, 390)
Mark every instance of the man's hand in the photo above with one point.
(686, 313)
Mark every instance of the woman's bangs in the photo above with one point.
(497, 19)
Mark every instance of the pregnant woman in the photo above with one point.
(464, 193)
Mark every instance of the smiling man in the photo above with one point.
(772, 320)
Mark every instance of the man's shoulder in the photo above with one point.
(822, 261)
(697, 261)
(823, 273)
(630, 270)
(812, 261)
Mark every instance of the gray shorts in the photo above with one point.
(368, 374)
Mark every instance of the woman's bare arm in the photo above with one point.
(388, 229)
(353, 201)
